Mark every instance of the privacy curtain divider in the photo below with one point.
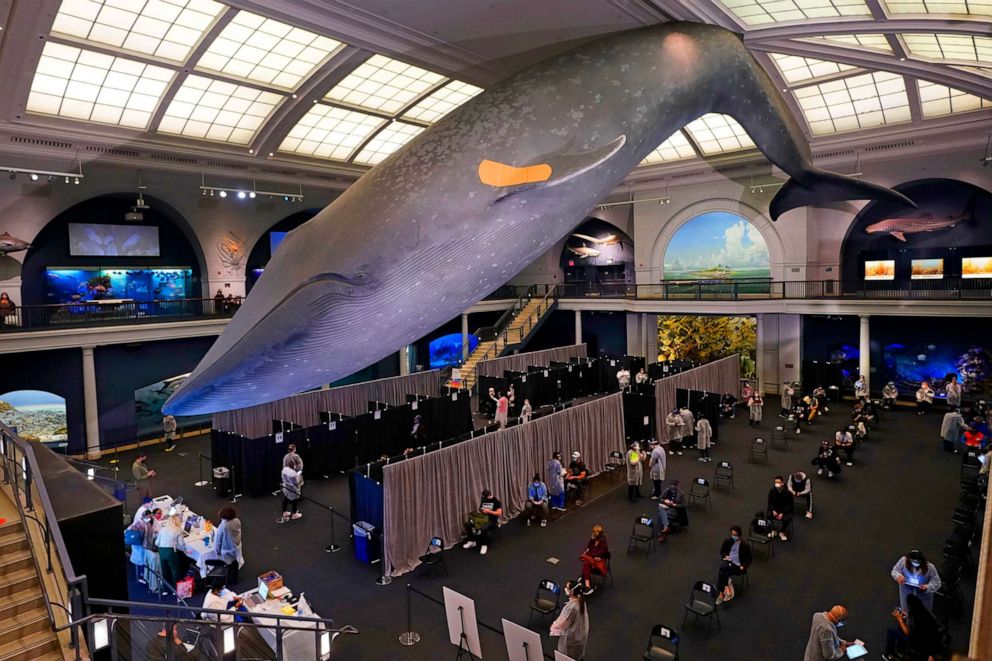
(432, 494)
(519, 362)
(719, 377)
(304, 409)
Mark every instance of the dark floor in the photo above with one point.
(900, 495)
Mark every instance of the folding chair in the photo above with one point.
(663, 644)
(642, 532)
(608, 573)
(700, 492)
(434, 557)
(547, 600)
(724, 473)
(615, 463)
(779, 438)
(757, 534)
(702, 604)
(758, 450)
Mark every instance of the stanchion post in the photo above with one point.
(385, 579)
(409, 637)
(199, 466)
(333, 547)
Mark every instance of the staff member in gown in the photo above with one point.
(227, 542)
(659, 464)
(572, 625)
(556, 482)
(916, 576)
(635, 471)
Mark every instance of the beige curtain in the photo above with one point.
(720, 376)
(304, 409)
(519, 362)
(431, 495)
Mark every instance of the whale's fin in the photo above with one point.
(820, 186)
(550, 170)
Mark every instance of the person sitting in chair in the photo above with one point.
(889, 395)
(826, 460)
(483, 522)
(595, 557)
(780, 507)
(844, 442)
(578, 477)
(537, 501)
(736, 557)
(671, 505)
(219, 598)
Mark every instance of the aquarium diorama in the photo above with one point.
(148, 403)
(38, 416)
(447, 350)
(76, 285)
(703, 339)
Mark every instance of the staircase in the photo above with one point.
(528, 316)
(25, 628)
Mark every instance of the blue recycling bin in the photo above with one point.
(366, 542)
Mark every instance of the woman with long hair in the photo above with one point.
(572, 625)
(595, 557)
(915, 575)
(917, 636)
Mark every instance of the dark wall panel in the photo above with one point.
(605, 333)
(59, 372)
(558, 330)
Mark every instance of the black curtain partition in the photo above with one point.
(638, 417)
(702, 404)
(820, 373)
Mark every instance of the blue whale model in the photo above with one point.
(466, 205)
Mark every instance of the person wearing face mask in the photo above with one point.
(780, 508)
(736, 557)
(824, 643)
(800, 486)
(844, 442)
(556, 481)
(890, 394)
(659, 464)
(635, 471)
(537, 501)
(572, 624)
(916, 576)
(826, 459)
(594, 557)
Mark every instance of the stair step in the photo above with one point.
(18, 581)
(11, 528)
(15, 561)
(18, 627)
(30, 647)
(21, 602)
(11, 543)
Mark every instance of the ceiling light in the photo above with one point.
(223, 193)
(241, 195)
(33, 176)
(76, 181)
(67, 180)
(252, 195)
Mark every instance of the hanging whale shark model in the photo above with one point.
(922, 222)
(467, 204)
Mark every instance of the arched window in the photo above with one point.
(717, 245)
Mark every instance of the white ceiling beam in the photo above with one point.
(782, 84)
(981, 26)
(867, 59)
(675, 10)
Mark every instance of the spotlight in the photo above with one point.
(223, 193)
(285, 198)
(252, 195)
(67, 180)
(76, 181)
(241, 195)
(33, 176)
(204, 193)
(211, 193)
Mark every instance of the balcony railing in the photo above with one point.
(86, 314)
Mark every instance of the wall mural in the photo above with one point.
(949, 235)
(148, 401)
(596, 252)
(38, 416)
(718, 245)
(705, 338)
(481, 194)
(446, 350)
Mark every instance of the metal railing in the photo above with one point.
(112, 312)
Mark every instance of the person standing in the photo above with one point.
(572, 624)
(788, 392)
(292, 459)
(861, 388)
(169, 427)
(142, 475)
(219, 302)
(953, 389)
(167, 541)
(800, 486)
(502, 409)
(556, 481)
(659, 464)
(675, 424)
(635, 471)
(924, 398)
(754, 405)
(915, 575)
(526, 411)
(491, 401)
(292, 482)
(623, 378)
(641, 378)
(824, 644)
(890, 394)
(780, 508)
(537, 501)
(153, 561)
(704, 438)
(227, 542)
(511, 398)
(951, 428)
(418, 434)
(688, 428)
(747, 391)
(736, 558)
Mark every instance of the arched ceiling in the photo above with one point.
(346, 84)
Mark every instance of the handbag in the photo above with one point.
(184, 588)
(133, 537)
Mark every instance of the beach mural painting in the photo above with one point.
(37, 415)
(717, 245)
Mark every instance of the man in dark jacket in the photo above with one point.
(736, 558)
(780, 506)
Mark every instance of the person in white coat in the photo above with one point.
(953, 389)
(688, 429)
(635, 471)
(788, 392)
(659, 464)
(675, 424)
(704, 438)
(572, 624)
(754, 406)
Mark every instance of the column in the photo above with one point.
(864, 348)
(464, 336)
(89, 402)
(761, 332)
(405, 360)
(578, 326)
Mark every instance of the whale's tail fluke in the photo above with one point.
(820, 186)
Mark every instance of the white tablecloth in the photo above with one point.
(192, 544)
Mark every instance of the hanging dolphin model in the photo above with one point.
(470, 202)
(9, 244)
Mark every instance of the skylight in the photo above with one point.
(80, 84)
(329, 132)
(939, 101)
(946, 7)
(217, 110)
(675, 148)
(259, 49)
(164, 28)
(853, 103)
(873, 41)
(715, 134)
(440, 102)
(381, 84)
(950, 47)
(388, 140)
(796, 69)
(758, 12)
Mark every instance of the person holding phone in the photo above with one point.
(916, 629)
(736, 554)
(824, 643)
(916, 576)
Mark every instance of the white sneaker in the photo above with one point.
(297, 515)
(809, 515)
(544, 523)
(782, 536)
(701, 460)
(528, 522)
(830, 474)
(469, 545)
(483, 550)
(819, 472)
(771, 535)
(850, 463)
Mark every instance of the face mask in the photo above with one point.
(915, 563)
(779, 485)
(841, 624)
(734, 536)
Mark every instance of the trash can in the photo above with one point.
(366, 542)
(222, 481)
